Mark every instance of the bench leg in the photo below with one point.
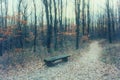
(65, 59)
(49, 63)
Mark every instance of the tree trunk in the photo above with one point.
(109, 21)
(77, 12)
(88, 16)
(35, 24)
(55, 26)
(6, 12)
(83, 17)
(49, 25)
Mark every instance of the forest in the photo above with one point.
(32, 30)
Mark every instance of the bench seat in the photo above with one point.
(50, 60)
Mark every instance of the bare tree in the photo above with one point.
(19, 42)
(6, 11)
(83, 17)
(88, 16)
(118, 28)
(109, 20)
(60, 14)
(42, 27)
(66, 16)
(48, 9)
(55, 26)
(2, 21)
(77, 13)
(50, 25)
(19, 12)
(35, 24)
(1, 44)
(25, 16)
(113, 20)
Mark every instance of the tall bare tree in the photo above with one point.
(109, 21)
(19, 42)
(60, 14)
(6, 11)
(19, 14)
(55, 25)
(35, 24)
(66, 16)
(88, 16)
(83, 17)
(2, 21)
(77, 14)
(48, 10)
(25, 17)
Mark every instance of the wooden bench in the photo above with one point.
(51, 60)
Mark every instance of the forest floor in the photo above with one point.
(84, 65)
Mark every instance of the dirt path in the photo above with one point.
(87, 66)
(93, 54)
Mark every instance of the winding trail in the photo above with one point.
(86, 66)
(93, 54)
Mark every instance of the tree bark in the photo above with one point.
(55, 26)
(109, 21)
(77, 12)
(35, 24)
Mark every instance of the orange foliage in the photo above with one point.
(16, 18)
(68, 33)
(23, 21)
(31, 37)
(1, 39)
(1, 31)
(85, 38)
(10, 27)
(7, 33)
(8, 17)
(71, 28)
(18, 50)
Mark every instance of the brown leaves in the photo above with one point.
(18, 50)
(31, 37)
(85, 38)
(68, 33)
(5, 32)
(8, 33)
(15, 18)
(1, 39)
